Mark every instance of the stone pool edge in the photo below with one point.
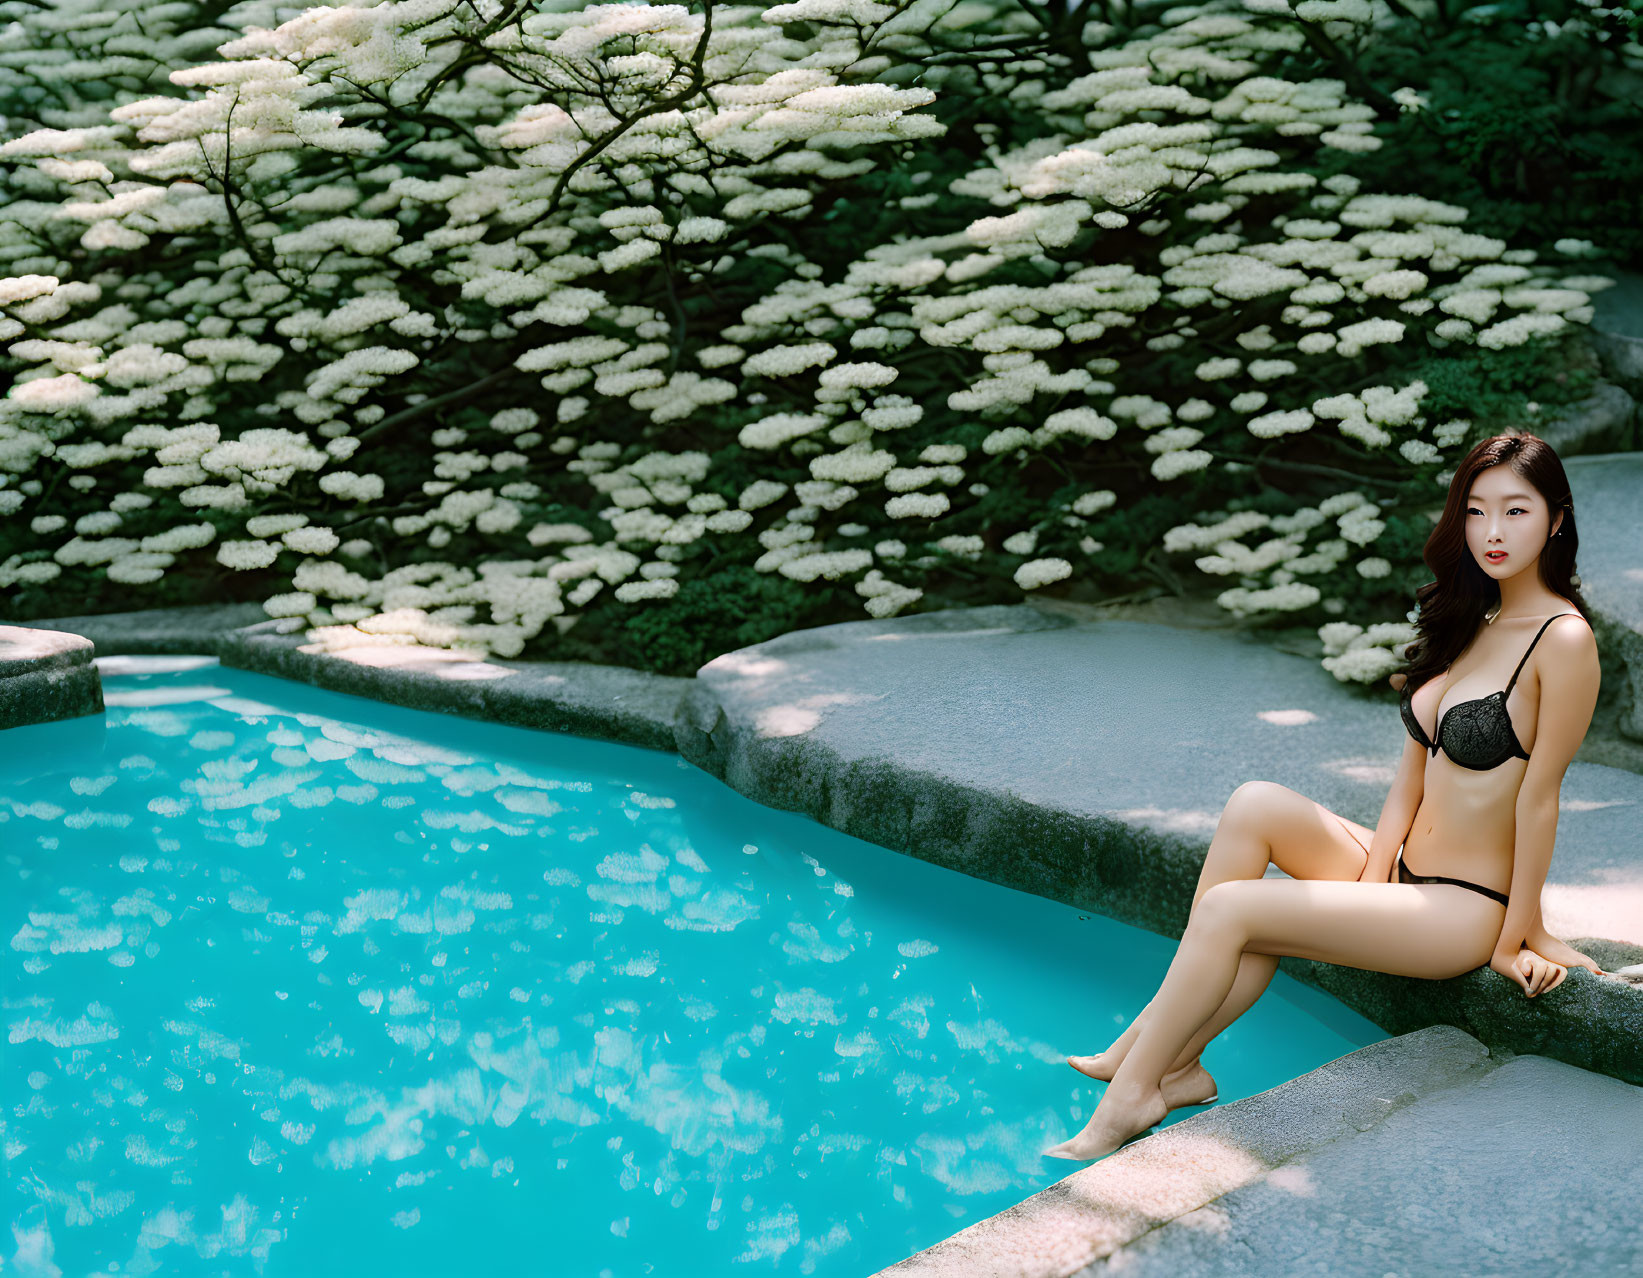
(1096, 1211)
(608, 703)
(46, 675)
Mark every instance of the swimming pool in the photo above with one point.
(299, 983)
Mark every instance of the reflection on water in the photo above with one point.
(301, 984)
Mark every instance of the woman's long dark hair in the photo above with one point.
(1452, 606)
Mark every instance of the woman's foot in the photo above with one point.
(1190, 1085)
(1118, 1119)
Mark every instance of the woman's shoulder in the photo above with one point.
(1568, 633)
(1566, 666)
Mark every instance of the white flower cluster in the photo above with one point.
(1041, 572)
(779, 429)
(964, 546)
(175, 419)
(886, 598)
(346, 484)
(918, 506)
(1288, 597)
(1361, 655)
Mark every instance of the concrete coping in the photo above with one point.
(1388, 1160)
(1098, 1210)
(24, 650)
(46, 675)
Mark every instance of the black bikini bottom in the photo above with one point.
(1405, 876)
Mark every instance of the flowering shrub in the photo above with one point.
(1529, 113)
(452, 321)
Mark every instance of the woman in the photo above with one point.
(1498, 693)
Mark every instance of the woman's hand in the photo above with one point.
(1533, 974)
(1544, 943)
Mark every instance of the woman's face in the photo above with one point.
(1504, 513)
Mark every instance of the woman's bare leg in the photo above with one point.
(1186, 1074)
(1198, 982)
(1432, 931)
(1239, 850)
(1261, 823)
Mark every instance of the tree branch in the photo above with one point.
(438, 401)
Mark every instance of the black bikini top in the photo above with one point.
(1476, 734)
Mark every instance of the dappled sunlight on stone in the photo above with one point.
(927, 636)
(444, 663)
(785, 721)
(1167, 1175)
(1613, 911)
(1287, 718)
(1185, 821)
(1293, 1179)
(798, 717)
(746, 665)
(1210, 1220)
(1154, 1180)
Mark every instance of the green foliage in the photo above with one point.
(720, 612)
(1405, 538)
(82, 591)
(1496, 386)
(1533, 119)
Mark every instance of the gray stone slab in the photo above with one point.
(611, 703)
(1617, 330)
(1603, 422)
(158, 630)
(1531, 1168)
(1090, 761)
(1621, 358)
(1620, 309)
(1608, 501)
(1101, 1209)
(46, 675)
(24, 650)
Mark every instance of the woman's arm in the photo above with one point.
(1569, 675)
(1403, 801)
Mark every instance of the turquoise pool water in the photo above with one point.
(298, 983)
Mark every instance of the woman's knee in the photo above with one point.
(1220, 908)
(1252, 798)
(1253, 807)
